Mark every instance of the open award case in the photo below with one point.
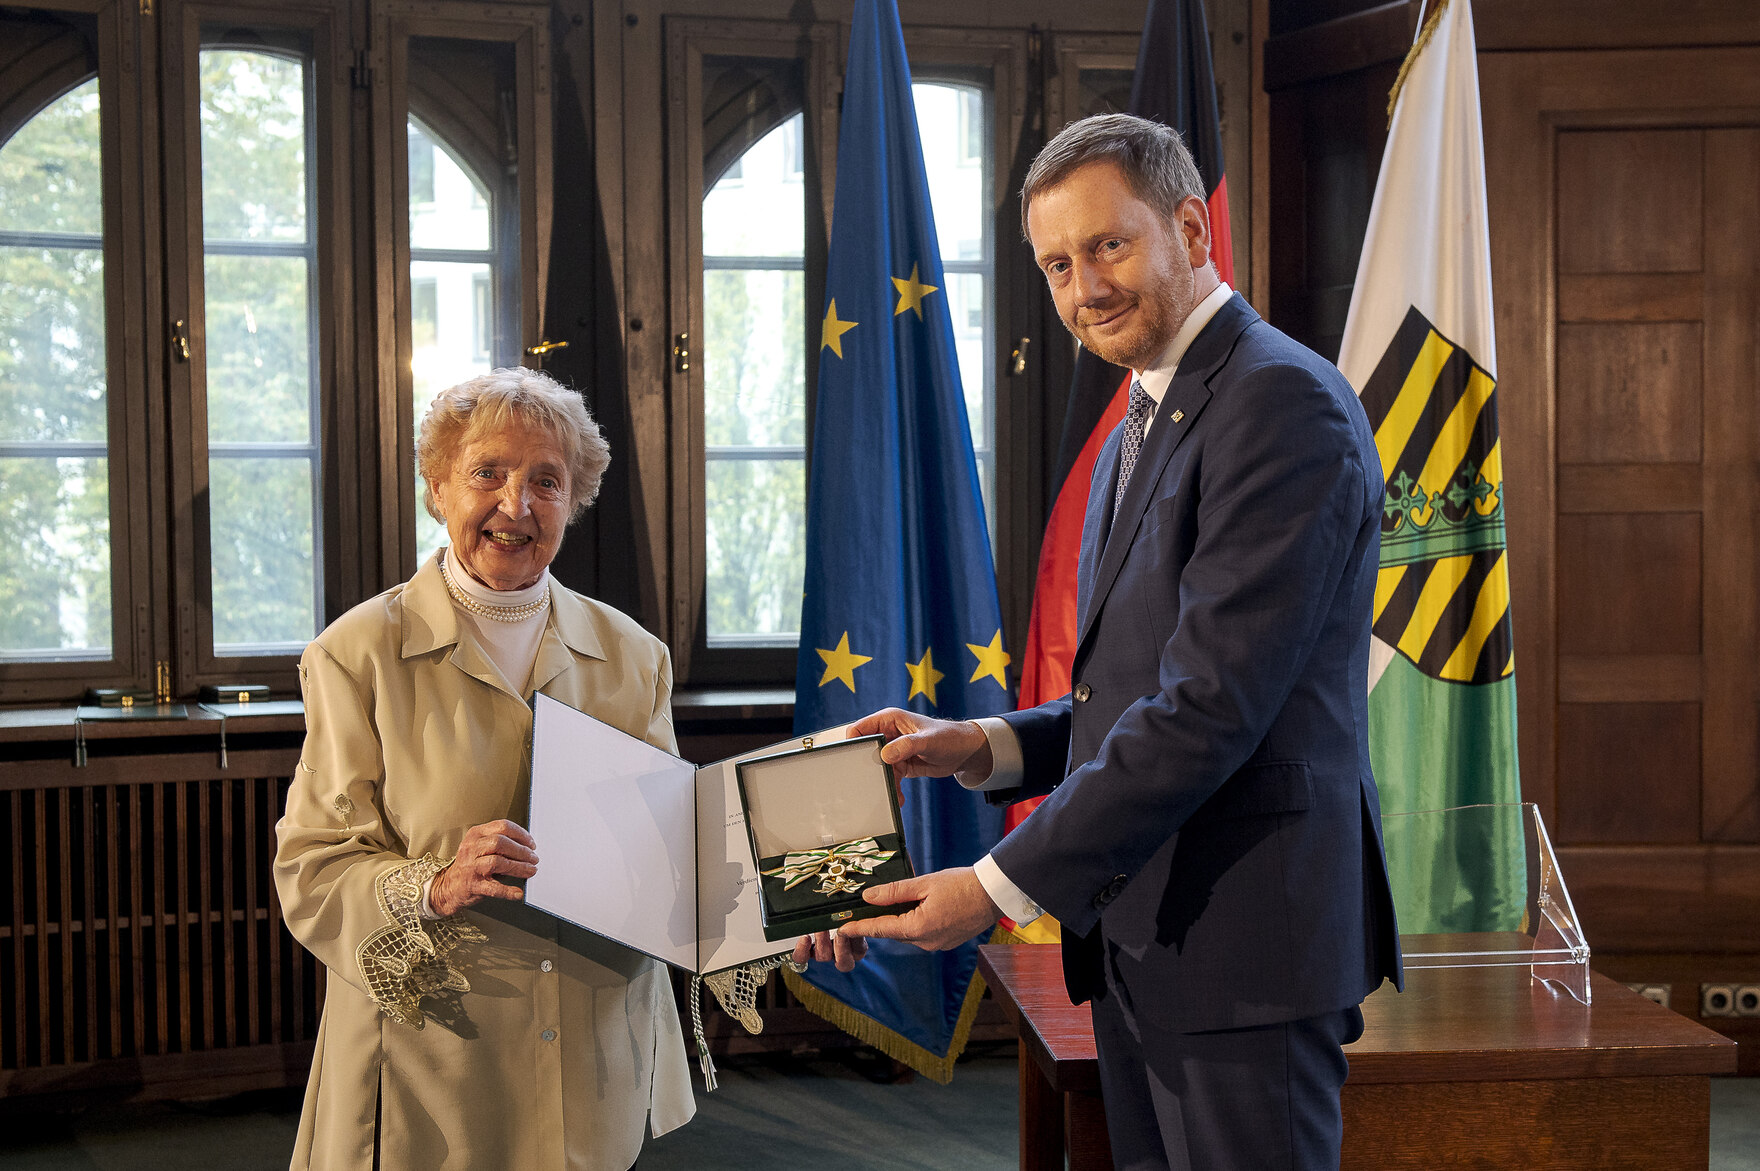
(652, 852)
(1479, 886)
(823, 824)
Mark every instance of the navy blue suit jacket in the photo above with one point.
(1212, 834)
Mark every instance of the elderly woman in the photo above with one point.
(462, 1028)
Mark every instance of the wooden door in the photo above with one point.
(1625, 201)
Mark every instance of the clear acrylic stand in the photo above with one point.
(1479, 886)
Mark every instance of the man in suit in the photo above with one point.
(1211, 841)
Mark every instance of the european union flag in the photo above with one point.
(901, 605)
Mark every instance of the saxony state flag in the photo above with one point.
(1420, 349)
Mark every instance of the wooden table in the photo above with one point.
(1469, 1067)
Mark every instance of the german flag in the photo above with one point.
(1442, 596)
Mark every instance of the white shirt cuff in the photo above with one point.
(1008, 897)
(427, 907)
(1006, 769)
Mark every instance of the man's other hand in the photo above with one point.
(951, 908)
(921, 746)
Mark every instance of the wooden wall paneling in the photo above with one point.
(1731, 791)
(1691, 898)
(1613, 24)
(1576, 118)
(1629, 488)
(1629, 584)
(1630, 297)
(1629, 392)
(1628, 201)
(1629, 678)
(1626, 772)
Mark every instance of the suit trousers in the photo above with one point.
(1255, 1099)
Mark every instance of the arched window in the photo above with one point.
(754, 392)
(754, 377)
(953, 121)
(54, 402)
(454, 272)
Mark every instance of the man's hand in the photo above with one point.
(920, 746)
(832, 946)
(953, 908)
(495, 847)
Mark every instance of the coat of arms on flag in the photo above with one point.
(1442, 597)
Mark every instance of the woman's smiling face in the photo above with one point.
(506, 501)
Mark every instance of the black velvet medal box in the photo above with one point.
(824, 826)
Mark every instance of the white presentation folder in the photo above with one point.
(644, 848)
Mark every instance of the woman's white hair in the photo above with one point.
(491, 401)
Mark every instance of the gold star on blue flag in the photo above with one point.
(898, 560)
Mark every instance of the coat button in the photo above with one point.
(545, 966)
(548, 1034)
(1083, 691)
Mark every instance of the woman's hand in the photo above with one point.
(834, 946)
(490, 849)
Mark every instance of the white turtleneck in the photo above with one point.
(511, 646)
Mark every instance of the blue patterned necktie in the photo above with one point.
(1136, 420)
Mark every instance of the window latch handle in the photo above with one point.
(544, 347)
(180, 340)
(1017, 362)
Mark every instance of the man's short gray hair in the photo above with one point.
(512, 395)
(1160, 170)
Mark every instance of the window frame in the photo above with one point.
(130, 417)
(812, 49)
(527, 29)
(999, 60)
(194, 661)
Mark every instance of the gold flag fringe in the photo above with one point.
(869, 1031)
(1405, 66)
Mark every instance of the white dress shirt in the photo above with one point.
(1005, 746)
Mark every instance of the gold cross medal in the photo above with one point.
(836, 867)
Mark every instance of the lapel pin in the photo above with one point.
(1178, 415)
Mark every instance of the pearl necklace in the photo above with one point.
(486, 610)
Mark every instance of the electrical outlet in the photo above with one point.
(1657, 992)
(1717, 1000)
(1747, 999)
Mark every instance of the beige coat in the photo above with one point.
(499, 1037)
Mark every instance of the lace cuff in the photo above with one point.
(406, 960)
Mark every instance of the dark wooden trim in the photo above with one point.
(1344, 44)
(126, 246)
(1504, 25)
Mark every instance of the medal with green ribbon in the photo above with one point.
(834, 866)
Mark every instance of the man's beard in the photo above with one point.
(1158, 320)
